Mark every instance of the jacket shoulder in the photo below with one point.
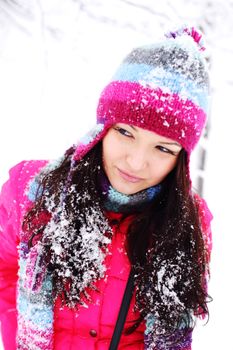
(23, 172)
(13, 193)
(27, 171)
(205, 217)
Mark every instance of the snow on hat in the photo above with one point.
(161, 87)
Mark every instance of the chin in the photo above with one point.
(126, 188)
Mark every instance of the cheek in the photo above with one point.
(170, 164)
(112, 150)
(161, 168)
(109, 148)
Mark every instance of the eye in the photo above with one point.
(165, 150)
(123, 131)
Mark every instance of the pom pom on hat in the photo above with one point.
(191, 31)
(163, 87)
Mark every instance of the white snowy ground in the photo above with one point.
(49, 86)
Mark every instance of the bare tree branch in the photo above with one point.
(147, 8)
(12, 12)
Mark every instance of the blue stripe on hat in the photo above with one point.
(92, 134)
(165, 80)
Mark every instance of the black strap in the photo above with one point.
(123, 312)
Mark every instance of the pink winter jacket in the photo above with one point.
(91, 328)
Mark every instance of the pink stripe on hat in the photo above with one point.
(166, 114)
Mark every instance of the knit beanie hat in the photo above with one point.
(162, 88)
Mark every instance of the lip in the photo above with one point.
(129, 177)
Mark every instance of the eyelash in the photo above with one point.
(165, 150)
(123, 132)
(128, 134)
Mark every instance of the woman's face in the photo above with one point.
(135, 159)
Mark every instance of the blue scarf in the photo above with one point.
(119, 202)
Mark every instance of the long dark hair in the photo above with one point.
(167, 248)
(165, 242)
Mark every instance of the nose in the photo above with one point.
(137, 160)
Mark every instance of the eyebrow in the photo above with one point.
(163, 143)
(133, 128)
(171, 143)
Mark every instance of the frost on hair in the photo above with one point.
(77, 247)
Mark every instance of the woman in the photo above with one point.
(118, 204)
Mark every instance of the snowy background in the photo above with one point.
(56, 56)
